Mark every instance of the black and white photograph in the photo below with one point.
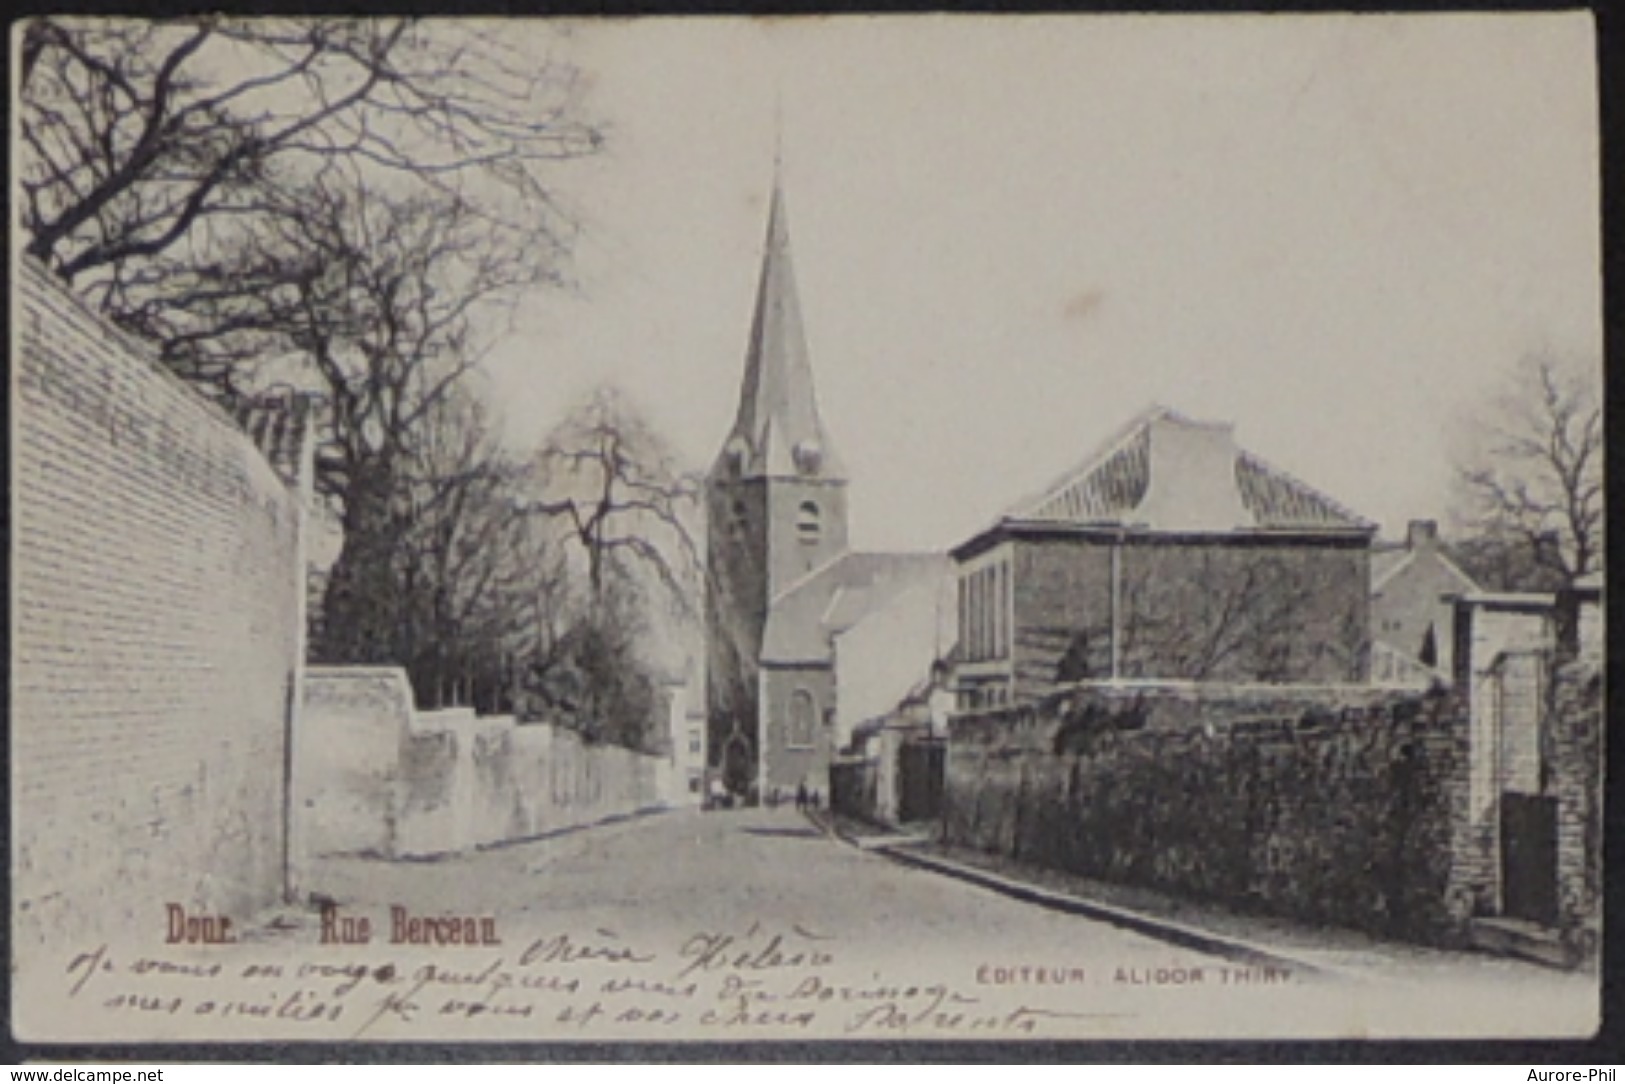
(875, 529)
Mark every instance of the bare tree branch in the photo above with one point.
(1530, 491)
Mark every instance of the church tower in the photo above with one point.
(775, 508)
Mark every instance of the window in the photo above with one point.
(809, 523)
(984, 612)
(740, 517)
(964, 617)
(803, 720)
(694, 745)
(1001, 578)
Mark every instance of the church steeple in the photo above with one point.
(775, 512)
(777, 432)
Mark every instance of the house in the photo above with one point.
(898, 759)
(893, 690)
(1413, 587)
(685, 721)
(1167, 554)
(888, 641)
(781, 580)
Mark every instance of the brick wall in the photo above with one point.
(1336, 805)
(1288, 612)
(1210, 609)
(1062, 588)
(155, 618)
(1575, 729)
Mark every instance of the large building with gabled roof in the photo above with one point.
(1167, 554)
(781, 580)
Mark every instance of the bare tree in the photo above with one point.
(1223, 614)
(1530, 488)
(384, 309)
(618, 486)
(476, 578)
(346, 205)
(135, 134)
(619, 500)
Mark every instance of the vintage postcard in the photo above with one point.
(862, 529)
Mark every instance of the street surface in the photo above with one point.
(730, 926)
(687, 870)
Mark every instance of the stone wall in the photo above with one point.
(380, 778)
(1338, 805)
(155, 585)
(475, 782)
(1575, 757)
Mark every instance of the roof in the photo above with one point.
(777, 432)
(837, 595)
(1387, 563)
(1386, 559)
(1166, 472)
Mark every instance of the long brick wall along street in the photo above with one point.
(154, 639)
(376, 777)
(1342, 805)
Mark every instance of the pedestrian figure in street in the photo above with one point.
(801, 797)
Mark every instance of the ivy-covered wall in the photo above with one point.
(1332, 805)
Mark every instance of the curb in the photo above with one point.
(1174, 933)
(830, 827)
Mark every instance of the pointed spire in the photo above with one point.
(778, 139)
(778, 432)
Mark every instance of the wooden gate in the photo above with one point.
(1529, 857)
(852, 789)
(921, 767)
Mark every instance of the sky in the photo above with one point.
(1011, 234)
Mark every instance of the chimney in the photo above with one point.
(1192, 483)
(1422, 534)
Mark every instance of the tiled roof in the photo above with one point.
(836, 596)
(1278, 500)
(1130, 480)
